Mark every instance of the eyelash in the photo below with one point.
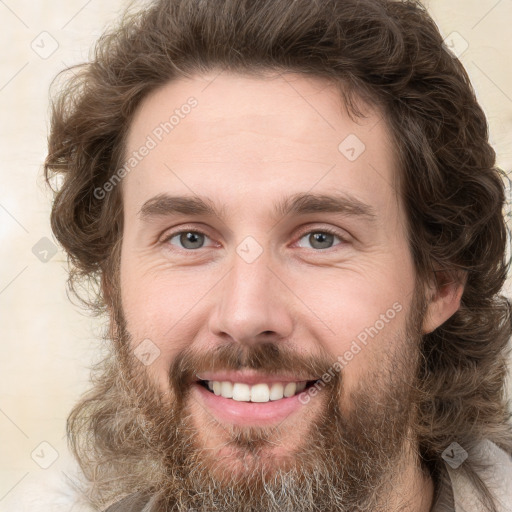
(330, 231)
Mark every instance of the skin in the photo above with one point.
(248, 143)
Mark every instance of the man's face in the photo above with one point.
(258, 297)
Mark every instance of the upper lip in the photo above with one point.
(251, 378)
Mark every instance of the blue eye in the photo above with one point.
(189, 240)
(321, 239)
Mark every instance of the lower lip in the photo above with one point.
(228, 410)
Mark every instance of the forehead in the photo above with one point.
(245, 140)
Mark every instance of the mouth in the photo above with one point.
(256, 401)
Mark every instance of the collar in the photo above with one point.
(461, 496)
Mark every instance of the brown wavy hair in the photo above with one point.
(390, 54)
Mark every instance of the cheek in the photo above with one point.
(357, 315)
(162, 305)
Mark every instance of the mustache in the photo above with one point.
(268, 358)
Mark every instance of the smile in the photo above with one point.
(249, 399)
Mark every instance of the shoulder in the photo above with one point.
(497, 475)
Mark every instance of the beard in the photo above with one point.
(129, 435)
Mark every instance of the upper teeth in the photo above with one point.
(258, 392)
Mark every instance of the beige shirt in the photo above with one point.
(462, 497)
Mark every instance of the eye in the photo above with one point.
(321, 239)
(189, 239)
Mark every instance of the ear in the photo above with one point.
(444, 298)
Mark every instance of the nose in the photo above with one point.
(254, 304)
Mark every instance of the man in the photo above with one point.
(293, 218)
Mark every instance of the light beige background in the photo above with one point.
(46, 343)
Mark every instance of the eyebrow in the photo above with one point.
(296, 204)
